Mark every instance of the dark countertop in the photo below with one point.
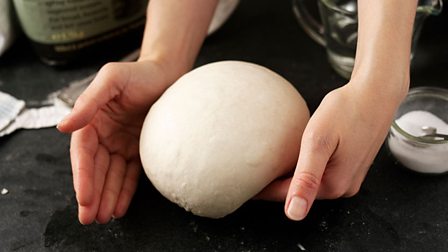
(396, 210)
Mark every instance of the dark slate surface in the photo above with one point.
(396, 210)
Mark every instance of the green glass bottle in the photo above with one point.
(63, 31)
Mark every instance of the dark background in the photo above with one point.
(396, 210)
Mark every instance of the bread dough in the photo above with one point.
(220, 134)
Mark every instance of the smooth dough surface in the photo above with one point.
(220, 134)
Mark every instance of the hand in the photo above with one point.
(106, 122)
(338, 146)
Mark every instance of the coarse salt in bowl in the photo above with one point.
(410, 142)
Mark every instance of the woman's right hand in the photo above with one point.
(106, 122)
(107, 118)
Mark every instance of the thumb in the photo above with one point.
(315, 152)
(107, 85)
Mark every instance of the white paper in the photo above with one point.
(10, 107)
(37, 118)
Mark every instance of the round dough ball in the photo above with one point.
(220, 134)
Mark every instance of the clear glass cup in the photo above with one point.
(409, 142)
(338, 29)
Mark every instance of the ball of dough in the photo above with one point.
(220, 134)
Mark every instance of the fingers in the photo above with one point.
(275, 191)
(315, 153)
(115, 184)
(106, 86)
(128, 189)
(83, 147)
(112, 188)
(87, 213)
(340, 181)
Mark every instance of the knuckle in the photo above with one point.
(334, 190)
(86, 98)
(352, 191)
(307, 181)
(336, 193)
(82, 99)
(110, 72)
(109, 68)
(318, 142)
(111, 191)
(113, 76)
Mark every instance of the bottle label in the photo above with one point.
(67, 21)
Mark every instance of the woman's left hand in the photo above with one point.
(338, 147)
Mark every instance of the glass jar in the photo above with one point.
(409, 139)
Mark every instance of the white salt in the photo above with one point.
(412, 122)
(4, 191)
(301, 247)
(426, 158)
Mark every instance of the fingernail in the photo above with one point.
(60, 123)
(297, 208)
(64, 119)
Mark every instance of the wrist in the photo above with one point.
(167, 73)
(381, 70)
(174, 33)
(171, 69)
(387, 88)
(384, 48)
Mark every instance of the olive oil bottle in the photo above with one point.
(63, 31)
